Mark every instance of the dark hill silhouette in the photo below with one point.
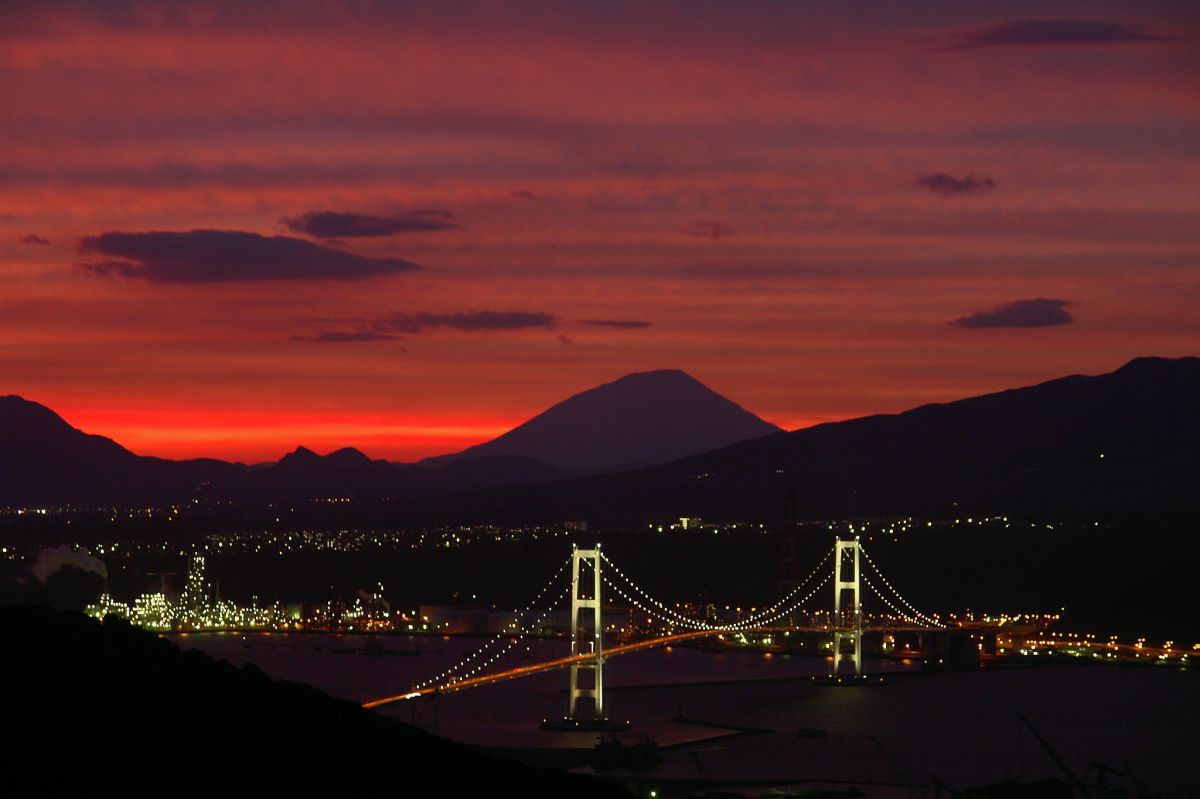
(81, 693)
(44, 460)
(302, 473)
(29, 429)
(493, 471)
(641, 419)
(1037, 449)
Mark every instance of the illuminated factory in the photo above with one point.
(200, 609)
(197, 608)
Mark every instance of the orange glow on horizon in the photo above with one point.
(261, 436)
(253, 437)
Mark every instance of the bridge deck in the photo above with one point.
(622, 649)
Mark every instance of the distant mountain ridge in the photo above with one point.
(1124, 441)
(641, 419)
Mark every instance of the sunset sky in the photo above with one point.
(230, 228)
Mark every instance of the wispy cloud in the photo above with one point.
(1020, 313)
(392, 326)
(623, 324)
(1048, 32)
(342, 225)
(344, 337)
(948, 186)
(216, 256)
(468, 321)
(34, 238)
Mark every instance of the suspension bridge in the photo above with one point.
(591, 571)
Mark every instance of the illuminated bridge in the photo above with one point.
(851, 570)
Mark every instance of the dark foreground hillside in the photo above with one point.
(133, 715)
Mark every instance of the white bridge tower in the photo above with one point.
(847, 616)
(590, 642)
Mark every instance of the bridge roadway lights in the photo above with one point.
(849, 680)
(567, 724)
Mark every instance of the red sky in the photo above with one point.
(795, 202)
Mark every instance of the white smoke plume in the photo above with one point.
(49, 561)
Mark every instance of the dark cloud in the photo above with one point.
(390, 327)
(469, 321)
(624, 324)
(1044, 32)
(339, 225)
(948, 186)
(1021, 313)
(345, 337)
(707, 230)
(216, 256)
(34, 238)
(524, 194)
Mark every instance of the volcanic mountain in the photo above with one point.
(1125, 441)
(642, 419)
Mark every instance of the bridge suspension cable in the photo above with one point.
(880, 595)
(520, 636)
(652, 608)
(664, 613)
(762, 621)
(918, 616)
(456, 672)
